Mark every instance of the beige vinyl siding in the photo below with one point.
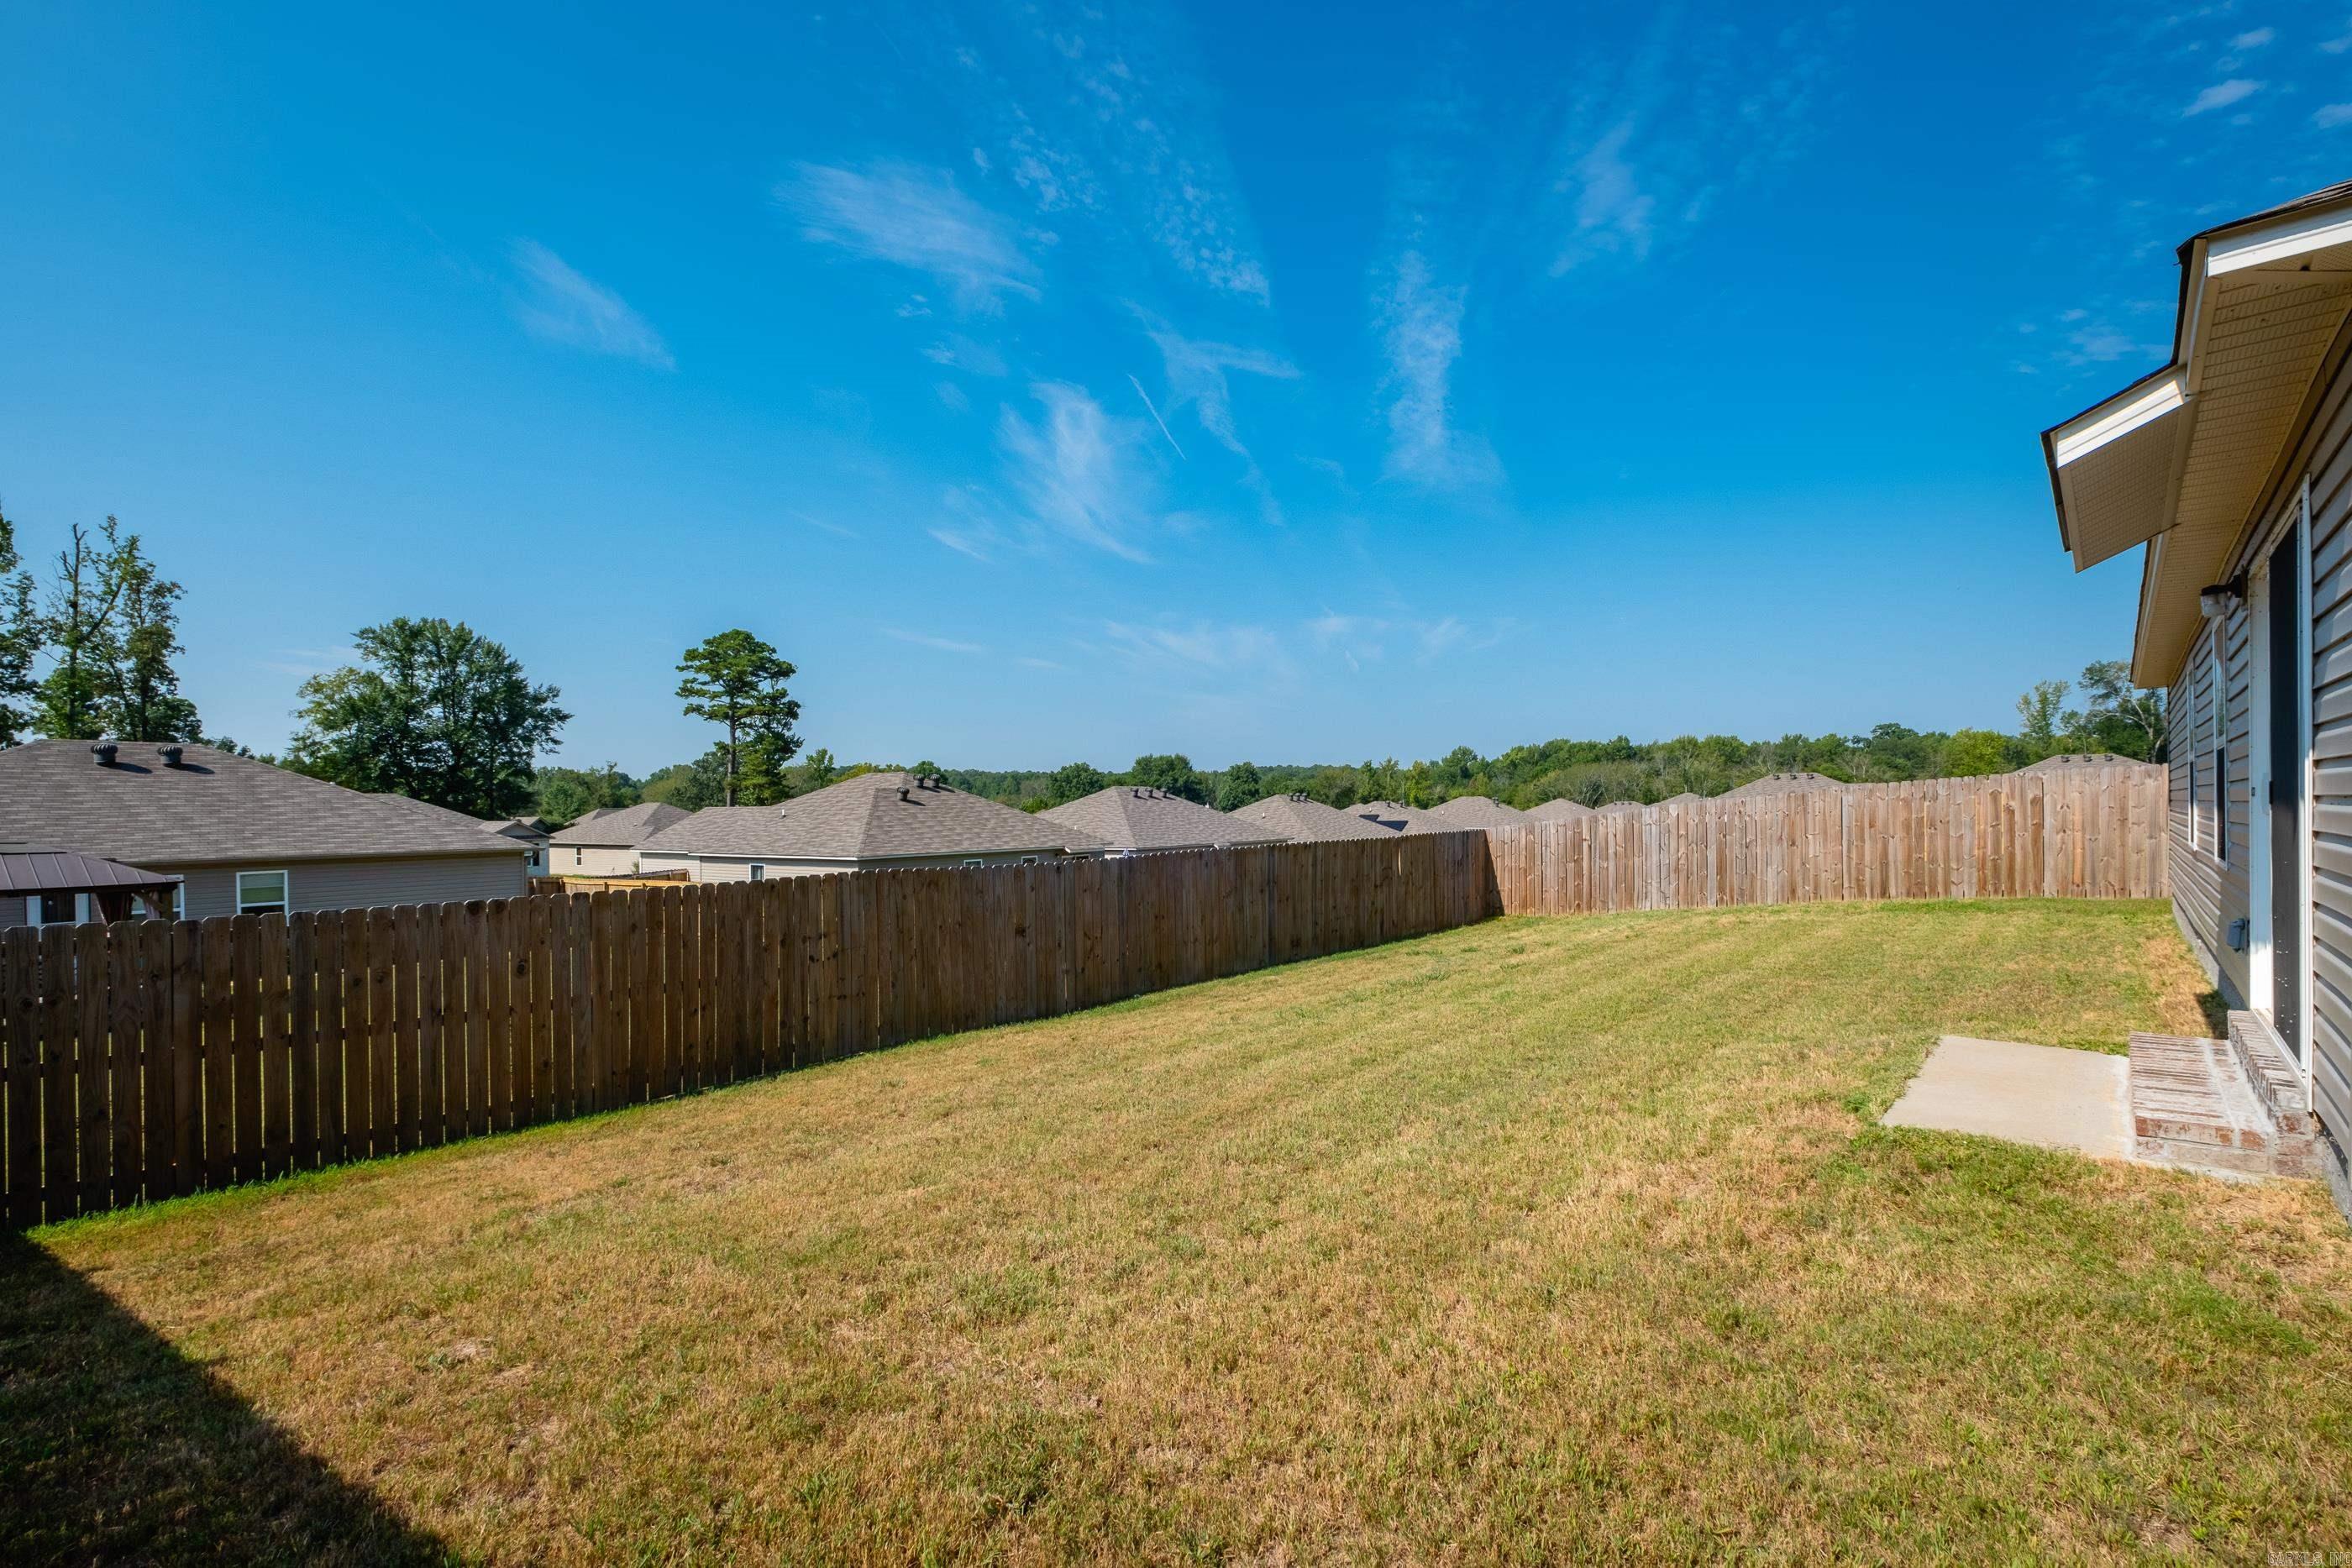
(2208, 893)
(2330, 467)
(362, 884)
(591, 859)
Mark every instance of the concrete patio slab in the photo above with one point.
(2040, 1094)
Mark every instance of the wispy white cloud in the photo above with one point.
(952, 396)
(559, 305)
(2327, 117)
(1199, 377)
(1027, 663)
(1156, 419)
(1361, 639)
(821, 524)
(2254, 38)
(1206, 645)
(2336, 46)
(1421, 330)
(959, 352)
(1105, 113)
(1612, 212)
(1079, 471)
(2222, 95)
(925, 640)
(918, 218)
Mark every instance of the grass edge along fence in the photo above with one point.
(148, 1059)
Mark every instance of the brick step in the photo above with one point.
(2195, 1102)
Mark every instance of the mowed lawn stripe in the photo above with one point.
(1545, 1239)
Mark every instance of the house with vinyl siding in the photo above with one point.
(2230, 470)
(605, 841)
(238, 835)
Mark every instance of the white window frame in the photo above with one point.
(759, 871)
(2195, 756)
(282, 904)
(576, 858)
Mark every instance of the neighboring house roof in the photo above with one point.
(1399, 818)
(1560, 810)
(530, 829)
(1477, 812)
(875, 816)
(1623, 809)
(25, 869)
(2181, 459)
(1133, 817)
(213, 809)
(2073, 759)
(1303, 820)
(1782, 784)
(619, 827)
(1685, 799)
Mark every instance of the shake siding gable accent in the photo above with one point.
(2330, 469)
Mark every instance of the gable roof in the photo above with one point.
(1133, 817)
(1399, 818)
(1781, 784)
(2066, 759)
(2182, 458)
(1623, 809)
(1303, 820)
(213, 809)
(875, 816)
(1477, 812)
(1560, 809)
(621, 826)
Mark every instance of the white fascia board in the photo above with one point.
(2114, 420)
(2281, 241)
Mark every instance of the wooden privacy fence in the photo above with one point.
(149, 1059)
(2076, 833)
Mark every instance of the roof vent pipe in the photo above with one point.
(170, 754)
(104, 752)
(906, 794)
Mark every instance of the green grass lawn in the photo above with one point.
(1544, 1240)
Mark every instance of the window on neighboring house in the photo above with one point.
(261, 892)
(576, 858)
(2220, 791)
(55, 908)
(975, 862)
(759, 872)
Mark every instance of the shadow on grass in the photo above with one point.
(2217, 1014)
(116, 1448)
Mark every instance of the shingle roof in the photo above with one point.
(23, 869)
(1621, 808)
(1130, 817)
(214, 808)
(2073, 759)
(1303, 820)
(875, 816)
(1477, 812)
(1783, 784)
(621, 828)
(1399, 818)
(1560, 810)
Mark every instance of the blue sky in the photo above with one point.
(1069, 382)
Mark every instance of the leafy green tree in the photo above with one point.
(2121, 717)
(1971, 753)
(1073, 781)
(564, 795)
(819, 769)
(2042, 720)
(433, 711)
(1171, 772)
(736, 679)
(78, 626)
(20, 642)
(690, 786)
(142, 698)
(1240, 787)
